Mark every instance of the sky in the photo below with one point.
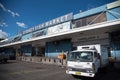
(19, 15)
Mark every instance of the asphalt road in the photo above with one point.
(14, 70)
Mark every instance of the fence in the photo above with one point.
(45, 60)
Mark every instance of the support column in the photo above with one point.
(17, 52)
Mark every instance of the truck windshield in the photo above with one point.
(81, 56)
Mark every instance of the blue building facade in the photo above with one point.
(53, 47)
(113, 13)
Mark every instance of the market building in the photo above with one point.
(99, 25)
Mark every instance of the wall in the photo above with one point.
(93, 19)
(113, 11)
(27, 36)
(54, 48)
(26, 50)
(113, 4)
(90, 12)
(115, 51)
(113, 14)
(59, 28)
(115, 45)
(39, 33)
(10, 51)
(90, 39)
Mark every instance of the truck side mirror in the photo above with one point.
(97, 55)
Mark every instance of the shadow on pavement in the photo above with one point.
(9, 62)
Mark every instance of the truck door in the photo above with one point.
(96, 61)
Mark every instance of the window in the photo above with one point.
(39, 33)
(78, 23)
(96, 18)
(82, 56)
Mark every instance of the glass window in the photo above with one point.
(85, 56)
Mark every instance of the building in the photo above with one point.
(99, 25)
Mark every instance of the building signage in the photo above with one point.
(28, 31)
(39, 33)
(55, 21)
(59, 28)
(113, 4)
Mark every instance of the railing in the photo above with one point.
(46, 60)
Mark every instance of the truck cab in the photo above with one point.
(84, 62)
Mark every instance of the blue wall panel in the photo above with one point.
(55, 48)
(26, 49)
(113, 14)
(90, 12)
(115, 45)
(115, 52)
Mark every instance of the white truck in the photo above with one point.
(86, 60)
